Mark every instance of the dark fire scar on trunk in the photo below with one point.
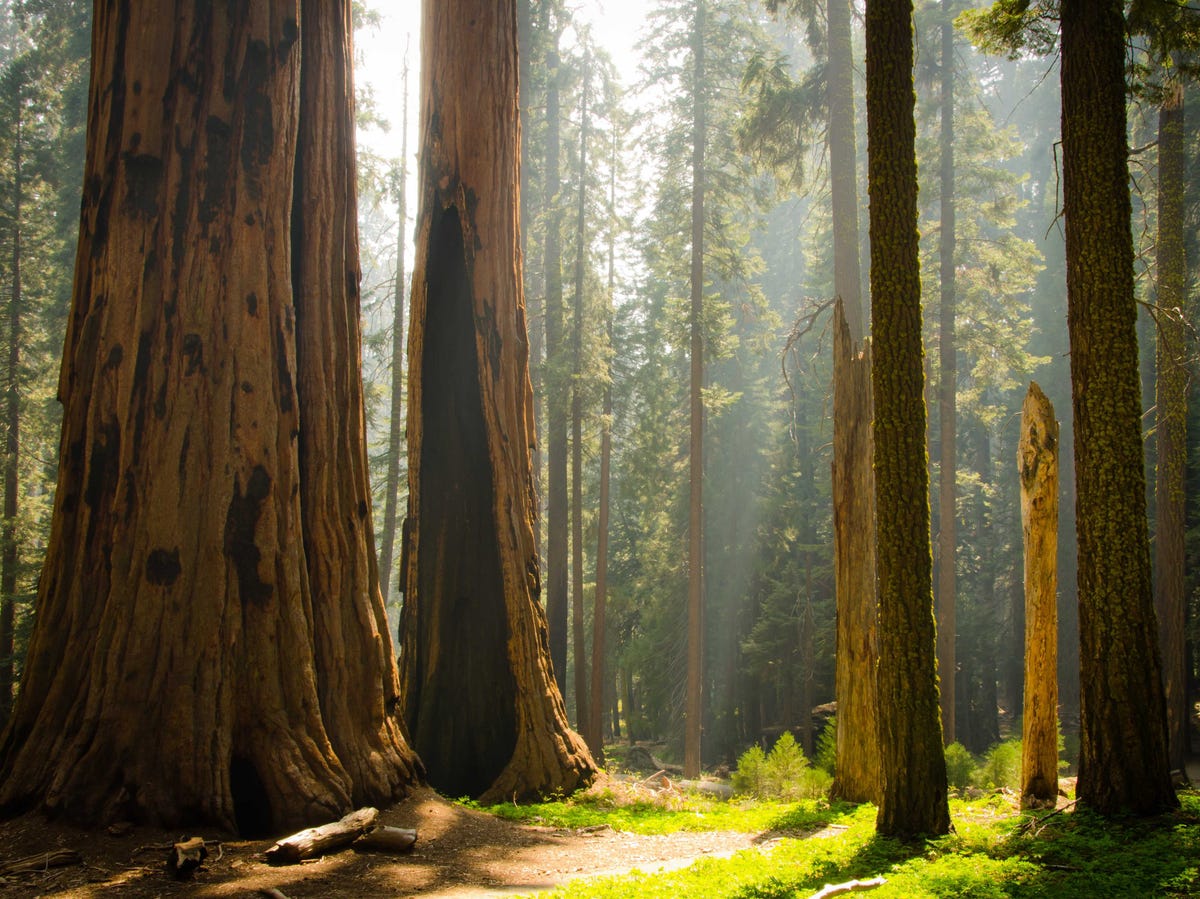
(240, 523)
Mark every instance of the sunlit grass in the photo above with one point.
(995, 851)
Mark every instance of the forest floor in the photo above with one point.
(460, 852)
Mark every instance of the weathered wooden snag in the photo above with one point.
(1037, 458)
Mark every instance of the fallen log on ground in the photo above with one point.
(315, 840)
(43, 861)
(382, 838)
(851, 886)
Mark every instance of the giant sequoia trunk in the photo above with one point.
(479, 695)
(914, 793)
(210, 640)
(1123, 751)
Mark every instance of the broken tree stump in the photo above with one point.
(185, 857)
(315, 840)
(382, 838)
(1037, 457)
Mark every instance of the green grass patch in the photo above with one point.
(625, 810)
(994, 852)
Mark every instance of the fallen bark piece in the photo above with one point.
(382, 838)
(316, 840)
(851, 886)
(32, 864)
(185, 857)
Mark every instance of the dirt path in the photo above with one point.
(459, 853)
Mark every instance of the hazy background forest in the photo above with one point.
(606, 249)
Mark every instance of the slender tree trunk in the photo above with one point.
(211, 542)
(947, 414)
(857, 770)
(695, 619)
(556, 386)
(914, 796)
(599, 613)
(1123, 749)
(396, 418)
(1037, 456)
(843, 174)
(12, 437)
(582, 674)
(1171, 433)
(480, 698)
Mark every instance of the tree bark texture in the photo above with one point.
(1173, 351)
(479, 694)
(857, 769)
(1037, 463)
(1123, 752)
(914, 794)
(210, 643)
(695, 605)
(947, 398)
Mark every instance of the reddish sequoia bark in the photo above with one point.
(209, 610)
(479, 694)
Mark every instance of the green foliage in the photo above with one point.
(1001, 768)
(826, 757)
(960, 766)
(784, 773)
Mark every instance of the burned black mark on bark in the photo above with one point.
(245, 509)
(219, 137)
(286, 389)
(290, 34)
(464, 713)
(162, 567)
(362, 510)
(103, 461)
(193, 354)
(183, 460)
(252, 303)
(143, 184)
(180, 215)
(115, 355)
(258, 128)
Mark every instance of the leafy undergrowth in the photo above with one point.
(994, 852)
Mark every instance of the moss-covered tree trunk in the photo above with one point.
(1173, 351)
(210, 640)
(479, 695)
(914, 794)
(1123, 746)
(1037, 462)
